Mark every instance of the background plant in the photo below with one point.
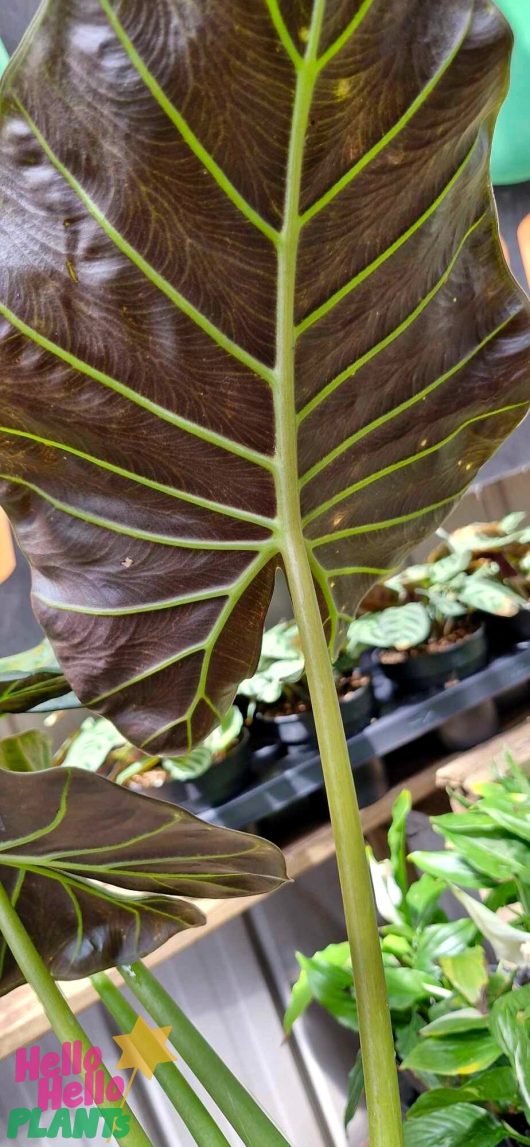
(433, 598)
(461, 1027)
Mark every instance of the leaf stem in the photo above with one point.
(377, 1044)
(192, 1111)
(381, 1087)
(62, 1020)
(245, 1115)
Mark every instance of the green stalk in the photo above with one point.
(375, 1029)
(245, 1115)
(381, 1086)
(62, 1019)
(192, 1111)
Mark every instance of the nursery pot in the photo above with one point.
(471, 727)
(357, 710)
(220, 783)
(505, 632)
(430, 671)
(295, 728)
(299, 728)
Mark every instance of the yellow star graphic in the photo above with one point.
(143, 1048)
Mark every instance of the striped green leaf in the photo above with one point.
(251, 286)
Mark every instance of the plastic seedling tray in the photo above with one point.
(289, 782)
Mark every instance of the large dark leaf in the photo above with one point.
(215, 216)
(48, 857)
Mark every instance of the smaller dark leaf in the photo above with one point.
(25, 693)
(63, 828)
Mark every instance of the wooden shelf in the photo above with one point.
(22, 1019)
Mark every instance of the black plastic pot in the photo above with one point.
(295, 728)
(219, 784)
(505, 632)
(470, 727)
(357, 710)
(431, 671)
(299, 728)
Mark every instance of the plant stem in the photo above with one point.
(377, 1044)
(242, 1111)
(192, 1111)
(381, 1088)
(62, 1019)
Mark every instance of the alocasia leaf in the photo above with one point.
(22, 694)
(79, 900)
(251, 284)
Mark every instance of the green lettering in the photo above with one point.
(86, 1123)
(61, 1122)
(35, 1131)
(121, 1125)
(17, 1117)
(110, 1116)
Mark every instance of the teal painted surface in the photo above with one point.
(4, 57)
(510, 161)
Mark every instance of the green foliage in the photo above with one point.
(463, 1054)
(489, 847)
(98, 746)
(463, 1125)
(453, 1017)
(281, 667)
(467, 972)
(28, 752)
(355, 1089)
(510, 1025)
(398, 627)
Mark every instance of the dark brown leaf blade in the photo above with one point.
(80, 929)
(48, 825)
(21, 695)
(153, 216)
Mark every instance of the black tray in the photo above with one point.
(289, 782)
